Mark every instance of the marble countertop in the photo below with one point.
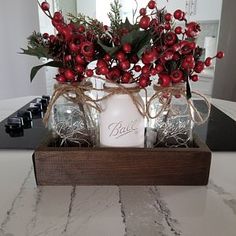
(28, 210)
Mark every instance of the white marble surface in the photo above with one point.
(26, 210)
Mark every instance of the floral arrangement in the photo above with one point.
(125, 52)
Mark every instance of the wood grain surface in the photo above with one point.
(122, 166)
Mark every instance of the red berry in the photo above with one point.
(144, 81)
(142, 11)
(189, 58)
(208, 61)
(176, 76)
(176, 56)
(58, 16)
(178, 14)
(45, 6)
(73, 47)
(192, 29)
(89, 73)
(170, 38)
(176, 47)
(101, 63)
(125, 65)
(149, 56)
(79, 60)
(127, 76)
(159, 68)
(68, 58)
(137, 68)
(104, 70)
(114, 73)
(167, 26)
(192, 45)
(105, 27)
(69, 74)
(87, 49)
(168, 17)
(194, 78)
(134, 59)
(81, 29)
(168, 56)
(144, 22)
(127, 47)
(120, 56)
(152, 4)
(60, 78)
(52, 38)
(153, 72)
(67, 33)
(107, 57)
(145, 69)
(199, 67)
(79, 69)
(178, 30)
(220, 55)
(45, 35)
(164, 80)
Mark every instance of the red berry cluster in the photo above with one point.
(174, 55)
(168, 51)
(73, 45)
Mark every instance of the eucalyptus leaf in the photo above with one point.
(35, 69)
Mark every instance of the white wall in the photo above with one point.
(18, 19)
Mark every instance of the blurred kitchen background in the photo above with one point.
(20, 18)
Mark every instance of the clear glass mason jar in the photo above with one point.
(173, 127)
(74, 123)
(121, 124)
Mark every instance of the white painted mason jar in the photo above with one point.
(121, 124)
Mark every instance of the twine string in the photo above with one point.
(195, 114)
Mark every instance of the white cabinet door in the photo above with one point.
(196, 10)
(204, 86)
(206, 10)
(172, 5)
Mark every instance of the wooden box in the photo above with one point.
(122, 166)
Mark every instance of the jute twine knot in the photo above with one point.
(195, 114)
(74, 93)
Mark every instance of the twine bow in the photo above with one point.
(195, 114)
(74, 93)
(131, 92)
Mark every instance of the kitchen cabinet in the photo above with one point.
(205, 83)
(202, 10)
(196, 10)
(172, 5)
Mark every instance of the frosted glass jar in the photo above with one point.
(121, 124)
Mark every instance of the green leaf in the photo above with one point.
(127, 25)
(39, 52)
(110, 50)
(188, 90)
(133, 36)
(35, 69)
(143, 43)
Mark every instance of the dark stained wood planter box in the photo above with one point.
(122, 166)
